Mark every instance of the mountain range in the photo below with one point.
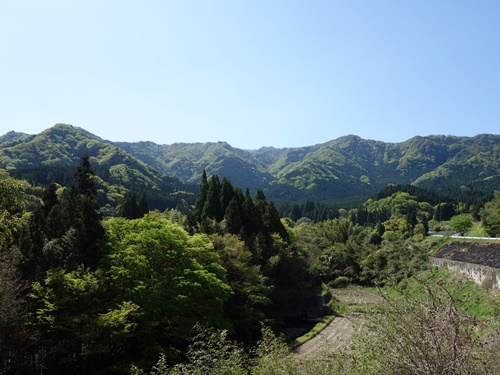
(346, 169)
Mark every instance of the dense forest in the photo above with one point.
(117, 256)
(342, 173)
(82, 292)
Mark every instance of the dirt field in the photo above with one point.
(338, 334)
(484, 253)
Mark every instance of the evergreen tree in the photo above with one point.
(250, 215)
(201, 198)
(85, 178)
(273, 222)
(233, 217)
(129, 208)
(143, 204)
(82, 216)
(49, 198)
(238, 195)
(45, 224)
(260, 202)
(212, 208)
(226, 194)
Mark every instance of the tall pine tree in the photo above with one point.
(212, 208)
(201, 198)
(83, 217)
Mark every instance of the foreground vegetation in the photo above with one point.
(85, 294)
(421, 326)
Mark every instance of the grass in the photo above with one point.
(320, 326)
(468, 295)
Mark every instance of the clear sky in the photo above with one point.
(251, 72)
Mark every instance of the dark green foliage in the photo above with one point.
(129, 208)
(226, 193)
(143, 204)
(80, 207)
(250, 216)
(444, 212)
(66, 233)
(272, 222)
(201, 198)
(213, 208)
(95, 308)
(269, 254)
(234, 223)
(246, 308)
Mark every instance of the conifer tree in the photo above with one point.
(49, 198)
(129, 208)
(82, 216)
(143, 204)
(249, 215)
(273, 222)
(233, 217)
(212, 208)
(260, 202)
(201, 198)
(45, 224)
(226, 193)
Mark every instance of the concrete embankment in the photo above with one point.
(478, 260)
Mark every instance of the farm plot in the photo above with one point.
(338, 334)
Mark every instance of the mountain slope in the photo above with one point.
(53, 154)
(351, 166)
(186, 161)
(347, 168)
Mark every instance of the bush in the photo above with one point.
(411, 336)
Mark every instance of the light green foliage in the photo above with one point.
(490, 216)
(213, 353)
(12, 204)
(461, 223)
(393, 261)
(76, 324)
(397, 204)
(121, 321)
(177, 280)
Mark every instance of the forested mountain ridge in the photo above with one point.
(186, 161)
(340, 169)
(53, 154)
(345, 169)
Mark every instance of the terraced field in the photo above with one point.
(339, 333)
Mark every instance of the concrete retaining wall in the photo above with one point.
(482, 275)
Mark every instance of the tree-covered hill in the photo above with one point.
(342, 171)
(186, 161)
(52, 155)
(347, 168)
(351, 166)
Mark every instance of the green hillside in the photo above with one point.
(346, 170)
(186, 161)
(53, 154)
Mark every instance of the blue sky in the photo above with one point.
(252, 73)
